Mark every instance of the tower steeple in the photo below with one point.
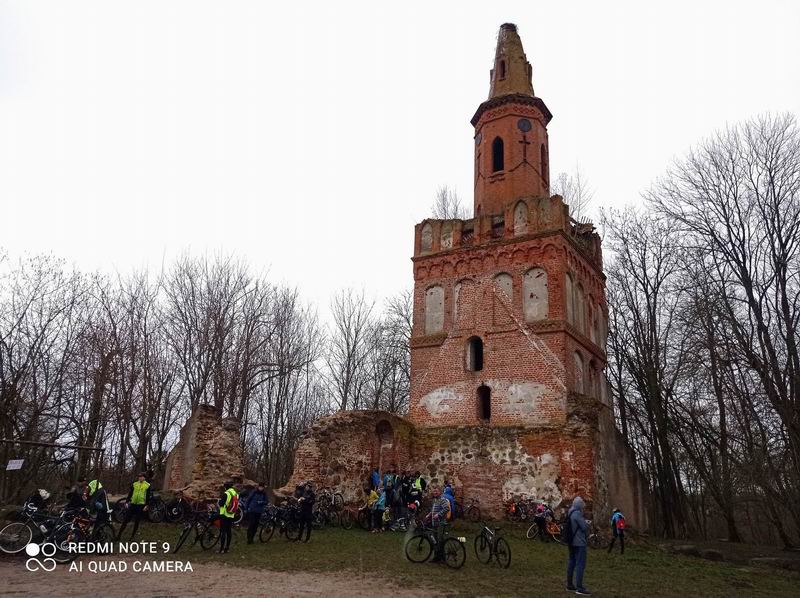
(512, 71)
(511, 146)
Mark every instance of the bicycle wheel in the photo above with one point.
(597, 541)
(483, 551)
(15, 537)
(119, 510)
(173, 512)
(346, 520)
(66, 539)
(292, 530)
(317, 520)
(104, 534)
(554, 531)
(418, 548)
(502, 552)
(266, 531)
(454, 553)
(532, 532)
(157, 511)
(334, 519)
(187, 529)
(474, 514)
(209, 536)
(363, 518)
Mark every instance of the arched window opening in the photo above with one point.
(498, 159)
(434, 310)
(580, 375)
(545, 167)
(484, 402)
(535, 300)
(570, 292)
(520, 218)
(506, 283)
(580, 308)
(502, 69)
(475, 354)
(426, 237)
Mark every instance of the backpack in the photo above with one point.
(234, 506)
(621, 521)
(566, 532)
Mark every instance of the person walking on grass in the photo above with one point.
(139, 495)
(254, 507)
(618, 529)
(577, 533)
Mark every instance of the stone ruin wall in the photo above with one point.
(491, 464)
(340, 451)
(207, 454)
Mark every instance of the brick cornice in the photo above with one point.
(514, 98)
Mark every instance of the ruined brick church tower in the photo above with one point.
(508, 396)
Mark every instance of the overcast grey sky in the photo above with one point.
(309, 137)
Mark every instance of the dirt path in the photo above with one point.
(206, 579)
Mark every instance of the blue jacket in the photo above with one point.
(376, 479)
(576, 519)
(451, 498)
(256, 502)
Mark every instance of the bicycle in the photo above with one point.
(155, 513)
(77, 530)
(490, 544)
(472, 512)
(325, 515)
(596, 539)
(206, 530)
(425, 542)
(285, 518)
(15, 536)
(329, 497)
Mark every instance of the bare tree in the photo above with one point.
(447, 205)
(348, 347)
(575, 191)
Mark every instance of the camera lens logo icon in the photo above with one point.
(46, 550)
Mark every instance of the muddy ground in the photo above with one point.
(206, 579)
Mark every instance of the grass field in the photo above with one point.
(536, 569)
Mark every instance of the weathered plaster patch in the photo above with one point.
(438, 401)
(522, 398)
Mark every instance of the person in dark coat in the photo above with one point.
(306, 501)
(254, 506)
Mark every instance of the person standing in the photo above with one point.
(139, 495)
(97, 498)
(306, 500)
(618, 530)
(254, 506)
(228, 505)
(440, 514)
(577, 547)
(377, 511)
(375, 479)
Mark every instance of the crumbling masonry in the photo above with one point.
(508, 394)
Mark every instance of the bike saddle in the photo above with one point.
(497, 529)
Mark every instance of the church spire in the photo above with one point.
(512, 71)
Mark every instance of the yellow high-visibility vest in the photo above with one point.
(223, 510)
(139, 492)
